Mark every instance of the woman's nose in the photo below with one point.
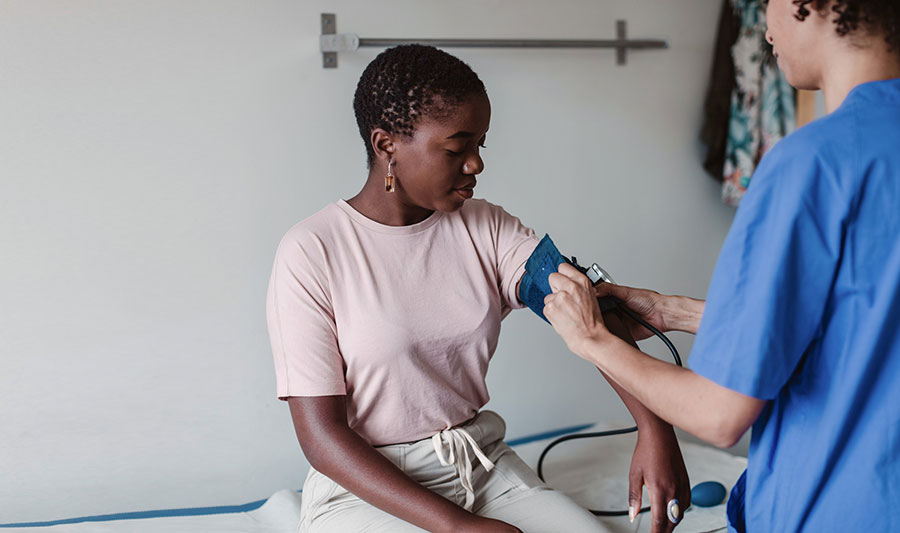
(473, 165)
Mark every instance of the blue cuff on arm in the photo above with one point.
(535, 284)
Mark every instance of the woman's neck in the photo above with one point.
(388, 208)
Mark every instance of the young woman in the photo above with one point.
(800, 333)
(384, 311)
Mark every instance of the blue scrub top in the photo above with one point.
(804, 311)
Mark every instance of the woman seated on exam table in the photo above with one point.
(800, 334)
(384, 311)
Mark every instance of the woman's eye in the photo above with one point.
(454, 153)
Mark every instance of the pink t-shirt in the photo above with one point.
(403, 320)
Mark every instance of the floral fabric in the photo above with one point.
(762, 102)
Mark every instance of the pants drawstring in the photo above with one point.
(458, 442)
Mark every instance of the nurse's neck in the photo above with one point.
(852, 60)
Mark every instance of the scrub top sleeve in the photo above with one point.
(302, 326)
(774, 275)
(515, 242)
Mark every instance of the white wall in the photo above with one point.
(152, 153)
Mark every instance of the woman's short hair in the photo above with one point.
(405, 83)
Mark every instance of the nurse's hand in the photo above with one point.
(573, 311)
(645, 303)
(665, 313)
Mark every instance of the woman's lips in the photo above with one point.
(466, 193)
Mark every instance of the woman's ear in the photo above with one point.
(382, 144)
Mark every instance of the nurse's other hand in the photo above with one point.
(572, 309)
(645, 303)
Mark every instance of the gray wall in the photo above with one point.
(152, 153)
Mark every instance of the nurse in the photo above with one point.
(800, 335)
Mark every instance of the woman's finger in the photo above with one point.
(635, 492)
(659, 502)
(685, 499)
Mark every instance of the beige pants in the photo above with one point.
(472, 467)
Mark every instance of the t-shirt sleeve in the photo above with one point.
(515, 242)
(301, 323)
(774, 275)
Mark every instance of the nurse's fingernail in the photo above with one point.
(632, 512)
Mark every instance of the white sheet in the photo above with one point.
(593, 471)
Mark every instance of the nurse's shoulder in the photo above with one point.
(814, 159)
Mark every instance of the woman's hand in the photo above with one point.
(657, 463)
(572, 309)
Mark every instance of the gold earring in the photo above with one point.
(389, 179)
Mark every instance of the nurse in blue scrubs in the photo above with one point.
(799, 337)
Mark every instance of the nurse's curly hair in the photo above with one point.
(405, 83)
(877, 16)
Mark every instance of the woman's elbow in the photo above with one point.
(312, 451)
(321, 428)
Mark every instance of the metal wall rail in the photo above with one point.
(331, 42)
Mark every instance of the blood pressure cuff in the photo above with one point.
(535, 284)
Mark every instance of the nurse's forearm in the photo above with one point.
(666, 313)
(685, 313)
(677, 395)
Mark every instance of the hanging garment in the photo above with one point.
(762, 103)
(718, 97)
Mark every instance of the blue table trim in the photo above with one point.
(228, 509)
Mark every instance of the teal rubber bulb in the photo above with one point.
(708, 494)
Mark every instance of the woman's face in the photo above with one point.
(435, 169)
